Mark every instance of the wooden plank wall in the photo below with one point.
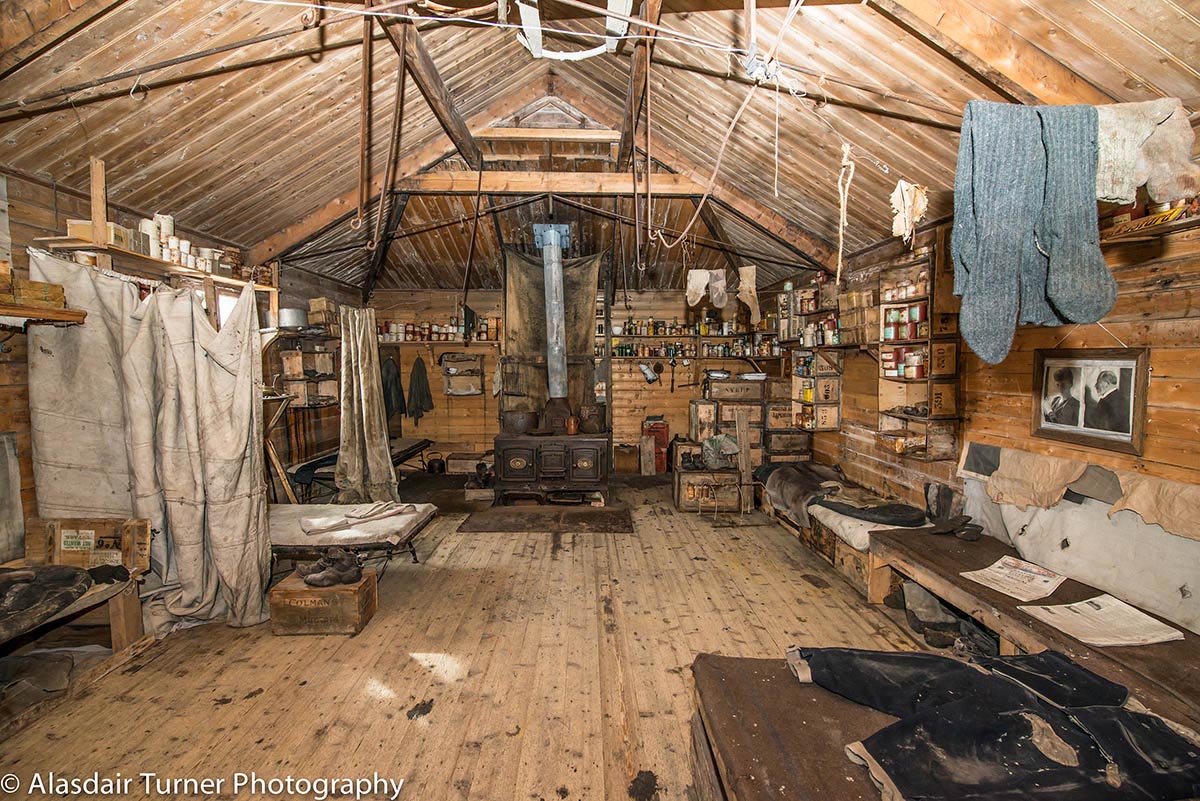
(456, 423)
(1158, 307)
(33, 212)
(632, 398)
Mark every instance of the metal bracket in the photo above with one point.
(546, 233)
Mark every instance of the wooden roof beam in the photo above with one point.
(467, 182)
(433, 89)
(992, 52)
(313, 223)
(635, 98)
(713, 223)
(380, 254)
(806, 244)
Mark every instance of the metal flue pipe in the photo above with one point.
(552, 239)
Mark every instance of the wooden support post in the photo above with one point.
(745, 476)
(125, 617)
(211, 304)
(879, 579)
(646, 456)
(99, 203)
(273, 297)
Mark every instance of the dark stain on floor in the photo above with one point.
(420, 710)
(644, 786)
(563, 792)
(816, 581)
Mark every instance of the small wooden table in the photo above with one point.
(1164, 676)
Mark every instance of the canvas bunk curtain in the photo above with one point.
(364, 469)
(147, 411)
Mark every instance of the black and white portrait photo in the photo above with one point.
(1091, 397)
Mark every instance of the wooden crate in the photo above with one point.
(827, 418)
(788, 458)
(734, 390)
(779, 389)
(943, 398)
(727, 412)
(943, 359)
(297, 608)
(789, 442)
(327, 388)
(781, 415)
(707, 491)
(461, 463)
(305, 391)
(828, 389)
(293, 363)
(319, 305)
(88, 542)
(756, 433)
(702, 420)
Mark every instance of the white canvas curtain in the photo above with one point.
(364, 469)
(147, 411)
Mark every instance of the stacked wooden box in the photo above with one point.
(310, 376)
(16, 291)
(703, 490)
(732, 396)
(323, 313)
(783, 439)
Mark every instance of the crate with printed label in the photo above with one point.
(87, 542)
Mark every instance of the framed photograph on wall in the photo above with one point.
(1094, 397)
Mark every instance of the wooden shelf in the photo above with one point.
(145, 265)
(487, 343)
(915, 418)
(1149, 232)
(35, 315)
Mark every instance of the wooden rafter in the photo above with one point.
(494, 182)
(990, 51)
(433, 89)
(380, 254)
(797, 239)
(636, 97)
(313, 223)
(709, 217)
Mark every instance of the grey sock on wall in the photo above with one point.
(1078, 281)
(994, 248)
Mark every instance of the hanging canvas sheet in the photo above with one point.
(147, 411)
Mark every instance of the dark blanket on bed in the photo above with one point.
(29, 596)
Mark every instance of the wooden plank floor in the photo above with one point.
(506, 666)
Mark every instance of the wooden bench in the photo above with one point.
(761, 735)
(1164, 676)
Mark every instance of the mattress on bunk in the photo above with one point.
(850, 530)
(284, 522)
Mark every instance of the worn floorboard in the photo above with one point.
(505, 666)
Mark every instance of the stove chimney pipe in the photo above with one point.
(552, 239)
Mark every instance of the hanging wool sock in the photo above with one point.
(1165, 163)
(1078, 281)
(697, 285)
(999, 198)
(716, 289)
(748, 291)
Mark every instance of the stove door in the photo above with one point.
(517, 464)
(552, 460)
(585, 464)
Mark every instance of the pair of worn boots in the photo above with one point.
(336, 566)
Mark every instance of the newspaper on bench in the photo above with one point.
(1017, 578)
